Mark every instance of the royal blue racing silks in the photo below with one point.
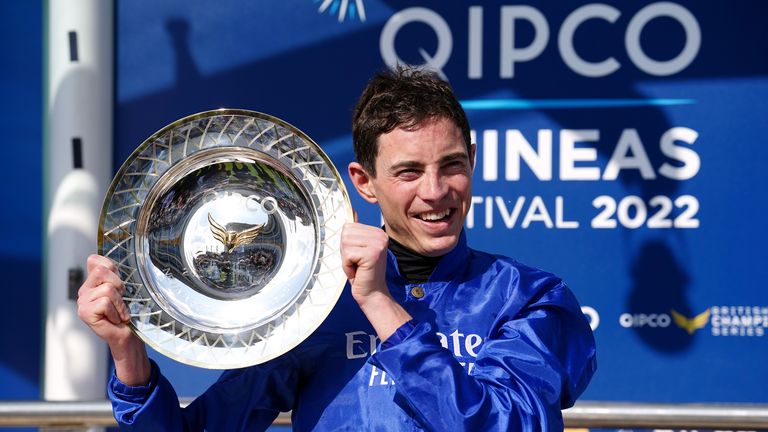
(493, 345)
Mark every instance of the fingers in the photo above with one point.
(98, 260)
(360, 235)
(100, 272)
(350, 270)
(100, 296)
(107, 292)
(102, 302)
(105, 307)
(94, 312)
(362, 246)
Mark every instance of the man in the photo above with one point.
(431, 335)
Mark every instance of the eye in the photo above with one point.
(408, 173)
(455, 166)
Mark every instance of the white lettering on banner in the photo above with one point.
(628, 320)
(565, 40)
(578, 161)
(536, 212)
(475, 60)
(539, 161)
(739, 320)
(511, 54)
(689, 158)
(629, 143)
(570, 154)
(630, 212)
(433, 20)
(576, 151)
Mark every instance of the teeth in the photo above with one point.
(435, 216)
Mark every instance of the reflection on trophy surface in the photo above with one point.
(225, 226)
(235, 237)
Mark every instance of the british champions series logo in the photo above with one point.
(739, 320)
(723, 320)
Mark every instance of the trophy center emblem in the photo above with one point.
(234, 237)
(235, 247)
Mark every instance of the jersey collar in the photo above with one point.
(449, 266)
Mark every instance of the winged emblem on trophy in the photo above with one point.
(232, 238)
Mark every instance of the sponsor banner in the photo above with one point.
(719, 320)
(618, 145)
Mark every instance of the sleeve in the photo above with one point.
(532, 366)
(242, 399)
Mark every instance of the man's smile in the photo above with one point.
(435, 216)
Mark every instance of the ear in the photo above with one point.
(362, 181)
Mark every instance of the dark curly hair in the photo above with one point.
(402, 98)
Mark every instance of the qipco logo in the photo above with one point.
(640, 320)
(511, 53)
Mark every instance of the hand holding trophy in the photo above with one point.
(225, 227)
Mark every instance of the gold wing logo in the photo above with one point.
(231, 238)
(691, 324)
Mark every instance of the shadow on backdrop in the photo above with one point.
(659, 286)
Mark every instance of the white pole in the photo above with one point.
(78, 169)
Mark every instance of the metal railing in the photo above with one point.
(583, 415)
(666, 416)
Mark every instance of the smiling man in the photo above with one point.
(527, 351)
(431, 334)
(421, 177)
(423, 186)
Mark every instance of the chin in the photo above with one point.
(441, 246)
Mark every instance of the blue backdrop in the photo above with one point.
(21, 228)
(620, 145)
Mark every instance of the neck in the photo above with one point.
(414, 267)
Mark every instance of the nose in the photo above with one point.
(433, 187)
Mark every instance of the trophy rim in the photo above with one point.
(348, 216)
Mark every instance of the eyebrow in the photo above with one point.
(413, 164)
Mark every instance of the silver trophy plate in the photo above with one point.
(225, 226)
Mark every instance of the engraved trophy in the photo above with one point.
(225, 226)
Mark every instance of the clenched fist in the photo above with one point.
(100, 305)
(364, 258)
(100, 301)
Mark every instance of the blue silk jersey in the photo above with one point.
(494, 345)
